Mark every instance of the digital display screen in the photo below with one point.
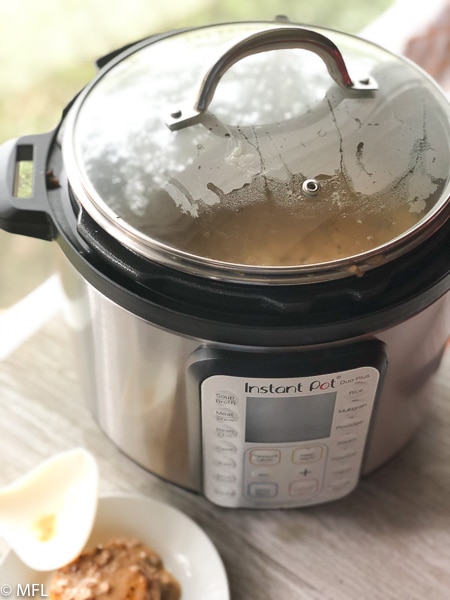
(289, 419)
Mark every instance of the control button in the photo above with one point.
(304, 472)
(224, 462)
(353, 410)
(303, 488)
(224, 447)
(225, 431)
(360, 398)
(265, 457)
(339, 486)
(224, 477)
(356, 393)
(226, 398)
(262, 490)
(260, 474)
(307, 454)
(225, 414)
(347, 439)
(344, 456)
(225, 492)
(343, 469)
(349, 423)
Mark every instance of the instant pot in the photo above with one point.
(255, 223)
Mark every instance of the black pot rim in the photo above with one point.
(236, 313)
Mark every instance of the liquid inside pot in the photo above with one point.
(274, 223)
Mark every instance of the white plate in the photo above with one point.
(187, 552)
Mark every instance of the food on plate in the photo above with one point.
(122, 569)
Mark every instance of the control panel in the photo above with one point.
(286, 441)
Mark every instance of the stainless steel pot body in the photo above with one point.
(134, 378)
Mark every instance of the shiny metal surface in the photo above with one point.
(414, 350)
(134, 378)
(278, 38)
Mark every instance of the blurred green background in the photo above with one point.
(47, 54)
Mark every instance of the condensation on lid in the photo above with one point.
(285, 169)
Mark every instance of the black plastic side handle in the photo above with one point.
(26, 211)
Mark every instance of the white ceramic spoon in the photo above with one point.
(47, 515)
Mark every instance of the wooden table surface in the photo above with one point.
(390, 539)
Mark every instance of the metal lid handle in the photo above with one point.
(269, 39)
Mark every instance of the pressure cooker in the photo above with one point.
(254, 224)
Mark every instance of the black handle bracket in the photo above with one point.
(24, 184)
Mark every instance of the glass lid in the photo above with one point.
(262, 151)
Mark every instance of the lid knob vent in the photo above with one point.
(311, 187)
